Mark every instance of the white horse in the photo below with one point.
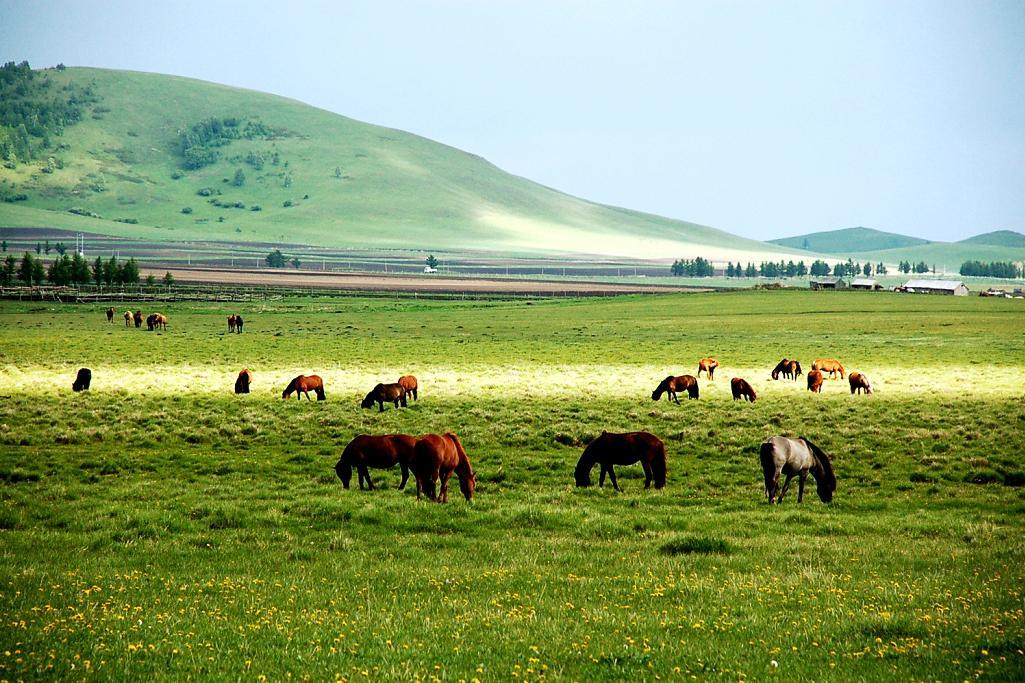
(796, 458)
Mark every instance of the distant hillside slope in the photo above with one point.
(848, 240)
(163, 157)
(998, 238)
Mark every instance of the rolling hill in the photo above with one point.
(169, 158)
(998, 238)
(848, 240)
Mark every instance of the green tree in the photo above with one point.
(275, 259)
(97, 271)
(151, 280)
(880, 268)
(38, 272)
(25, 268)
(46, 247)
(240, 178)
(867, 269)
(296, 262)
(79, 269)
(130, 272)
(10, 267)
(4, 245)
(431, 261)
(168, 279)
(751, 271)
(802, 269)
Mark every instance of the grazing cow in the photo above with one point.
(82, 381)
(858, 382)
(815, 381)
(742, 389)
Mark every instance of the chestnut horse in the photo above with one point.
(110, 314)
(128, 319)
(436, 457)
(231, 323)
(858, 382)
(245, 378)
(381, 452)
(408, 383)
(708, 365)
(830, 365)
(670, 385)
(304, 384)
(623, 449)
(815, 381)
(742, 389)
(392, 393)
(792, 370)
(796, 458)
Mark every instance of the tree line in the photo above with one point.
(1000, 269)
(69, 270)
(701, 267)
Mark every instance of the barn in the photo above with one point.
(954, 287)
(868, 283)
(827, 283)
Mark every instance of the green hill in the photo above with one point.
(169, 158)
(848, 240)
(998, 238)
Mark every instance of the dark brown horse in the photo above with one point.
(380, 452)
(138, 318)
(391, 393)
(239, 323)
(409, 383)
(304, 384)
(708, 365)
(742, 389)
(830, 365)
(780, 367)
(670, 385)
(110, 314)
(436, 457)
(796, 458)
(815, 381)
(156, 321)
(623, 449)
(82, 380)
(245, 378)
(859, 382)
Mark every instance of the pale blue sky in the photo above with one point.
(766, 120)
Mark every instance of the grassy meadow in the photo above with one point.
(158, 526)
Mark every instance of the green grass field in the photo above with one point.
(159, 526)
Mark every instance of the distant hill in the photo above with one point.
(168, 158)
(999, 238)
(848, 240)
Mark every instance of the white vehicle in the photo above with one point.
(428, 269)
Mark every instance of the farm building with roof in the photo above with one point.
(866, 283)
(828, 283)
(955, 287)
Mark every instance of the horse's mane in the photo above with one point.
(822, 458)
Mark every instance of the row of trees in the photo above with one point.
(697, 267)
(276, 259)
(700, 267)
(920, 267)
(69, 270)
(1001, 269)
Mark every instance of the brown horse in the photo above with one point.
(392, 393)
(156, 321)
(82, 380)
(815, 381)
(380, 452)
(708, 365)
(830, 365)
(796, 458)
(231, 323)
(780, 367)
(304, 384)
(110, 314)
(409, 383)
(623, 449)
(670, 385)
(138, 318)
(245, 378)
(436, 457)
(792, 370)
(742, 389)
(128, 319)
(858, 382)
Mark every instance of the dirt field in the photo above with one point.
(416, 283)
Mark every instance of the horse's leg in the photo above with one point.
(601, 476)
(786, 487)
(370, 482)
(648, 474)
(405, 475)
(444, 485)
(380, 406)
(612, 476)
(800, 486)
(771, 486)
(672, 395)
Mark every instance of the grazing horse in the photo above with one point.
(381, 452)
(409, 383)
(708, 365)
(623, 449)
(858, 382)
(110, 314)
(670, 385)
(792, 370)
(245, 378)
(304, 384)
(138, 319)
(82, 381)
(796, 458)
(128, 319)
(742, 389)
(815, 381)
(780, 367)
(830, 365)
(392, 393)
(436, 457)
(231, 323)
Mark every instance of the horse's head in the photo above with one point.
(824, 490)
(344, 472)
(368, 401)
(468, 485)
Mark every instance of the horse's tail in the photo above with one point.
(320, 393)
(767, 455)
(659, 465)
(825, 462)
(692, 390)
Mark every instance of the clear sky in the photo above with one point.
(763, 119)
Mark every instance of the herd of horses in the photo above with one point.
(154, 321)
